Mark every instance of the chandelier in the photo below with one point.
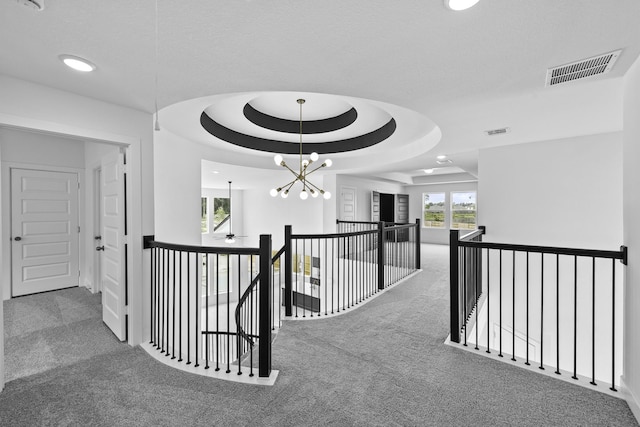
(303, 173)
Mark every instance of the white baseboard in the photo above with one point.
(631, 399)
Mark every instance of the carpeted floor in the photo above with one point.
(384, 364)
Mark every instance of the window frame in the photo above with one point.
(452, 210)
(443, 210)
(204, 217)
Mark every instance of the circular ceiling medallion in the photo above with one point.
(330, 124)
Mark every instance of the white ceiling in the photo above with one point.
(468, 72)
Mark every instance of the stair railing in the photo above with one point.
(558, 308)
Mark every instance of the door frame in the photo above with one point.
(96, 286)
(7, 217)
(136, 271)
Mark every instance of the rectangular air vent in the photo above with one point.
(497, 131)
(594, 66)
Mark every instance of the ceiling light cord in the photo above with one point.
(157, 120)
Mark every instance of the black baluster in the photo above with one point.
(217, 290)
(527, 310)
(513, 309)
(593, 321)
(613, 325)
(180, 314)
(153, 281)
(500, 303)
(188, 310)
(229, 284)
(558, 314)
(541, 311)
(575, 315)
(206, 307)
(488, 300)
(173, 321)
(198, 285)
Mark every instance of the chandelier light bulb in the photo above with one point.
(305, 163)
(326, 195)
(314, 157)
(285, 194)
(273, 192)
(304, 194)
(230, 239)
(328, 163)
(277, 159)
(314, 194)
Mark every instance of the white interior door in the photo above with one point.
(347, 204)
(113, 272)
(44, 231)
(375, 206)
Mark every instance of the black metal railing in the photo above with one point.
(211, 305)
(329, 273)
(555, 307)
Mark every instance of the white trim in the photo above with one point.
(631, 399)
(51, 128)
(549, 371)
(211, 373)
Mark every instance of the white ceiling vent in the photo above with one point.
(500, 131)
(594, 66)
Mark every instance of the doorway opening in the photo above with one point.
(53, 208)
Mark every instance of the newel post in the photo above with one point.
(454, 295)
(288, 268)
(381, 238)
(418, 243)
(264, 348)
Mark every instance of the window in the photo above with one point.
(463, 210)
(221, 214)
(204, 215)
(433, 210)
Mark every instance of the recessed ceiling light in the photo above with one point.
(428, 171)
(77, 63)
(215, 172)
(460, 4)
(441, 157)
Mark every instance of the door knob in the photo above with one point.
(100, 248)
(17, 239)
(98, 237)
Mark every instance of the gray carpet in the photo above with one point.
(383, 364)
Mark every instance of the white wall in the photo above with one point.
(32, 106)
(364, 187)
(565, 192)
(631, 154)
(264, 214)
(415, 192)
(35, 151)
(177, 187)
(568, 193)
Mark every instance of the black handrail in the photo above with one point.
(241, 332)
(621, 254)
(223, 250)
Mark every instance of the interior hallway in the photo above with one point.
(383, 364)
